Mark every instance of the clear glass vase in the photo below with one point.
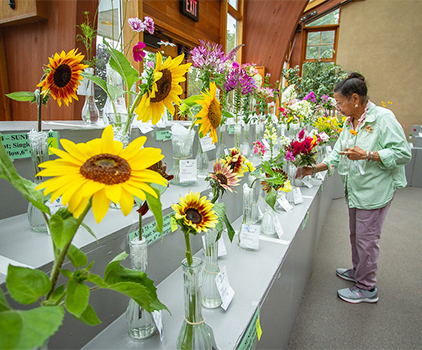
(210, 295)
(90, 111)
(38, 145)
(290, 169)
(194, 334)
(247, 218)
(237, 134)
(182, 141)
(221, 146)
(267, 225)
(140, 323)
(121, 126)
(245, 148)
(202, 160)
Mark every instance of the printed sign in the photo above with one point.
(190, 8)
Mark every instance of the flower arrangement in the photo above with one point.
(86, 176)
(302, 151)
(194, 215)
(329, 126)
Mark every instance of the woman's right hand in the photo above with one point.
(304, 171)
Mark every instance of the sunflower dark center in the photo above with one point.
(214, 114)
(193, 215)
(163, 86)
(62, 75)
(222, 179)
(106, 168)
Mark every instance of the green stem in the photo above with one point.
(215, 195)
(188, 248)
(58, 262)
(39, 102)
(140, 227)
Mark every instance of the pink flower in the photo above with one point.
(302, 134)
(258, 147)
(289, 156)
(150, 64)
(149, 24)
(138, 53)
(136, 24)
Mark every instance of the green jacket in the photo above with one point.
(380, 131)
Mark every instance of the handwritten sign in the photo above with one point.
(149, 231)
(162, 135)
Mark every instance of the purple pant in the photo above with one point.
(365, 232)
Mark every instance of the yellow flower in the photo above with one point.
(196, 213)
(340, 130)
(165, 89)
(103, 170)
(63, 76)
(353, 132)
(237, 162)
(209, 117)
(287, 187)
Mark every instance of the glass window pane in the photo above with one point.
(330, 18)
(314, 38)
(312, 52)
(326, 51)
(233, 3)
(327, 37)
(194, 83)
(231, 32)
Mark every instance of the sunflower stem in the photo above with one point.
(188, 248)
(140, 227)
(39, 103)
(58, 262)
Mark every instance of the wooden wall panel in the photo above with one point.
(166, 15)
(269, 27)
(27, 48)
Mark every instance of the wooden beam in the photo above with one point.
(5, 105)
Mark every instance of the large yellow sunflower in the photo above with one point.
(63, 76)
(165, 90)
(195, 212)
(104, 170)
(209, 117)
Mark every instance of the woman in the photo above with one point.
(377, 150)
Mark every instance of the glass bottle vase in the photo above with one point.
(38, 145)
(221, 146)
(210, 295)
(122, 127)
(182, 141)
(140, 323)
(194, 334)
(245, 148)
(202, 160)
(90, 111)
(267, 225)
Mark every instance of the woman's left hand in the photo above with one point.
(354, 153)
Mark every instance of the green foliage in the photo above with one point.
(220, 210)
(318, 76)
(87, 38)
(154, 205)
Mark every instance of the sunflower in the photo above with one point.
(224, 176)
(165, 90)
(209, 117)
(63, 75)
(237, 162)
(194, 213)
(104, 170)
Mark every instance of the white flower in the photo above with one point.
(324, 137)
(258, 80)
(284, 140)
(303, 108)
(166, 43)
(288, 94)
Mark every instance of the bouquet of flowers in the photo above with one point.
(302, 151)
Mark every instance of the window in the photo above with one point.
(232, 25)
(320, 38)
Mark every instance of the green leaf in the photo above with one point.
(132, 283)
(39, 325)
(63, 228)
(24, 96)
(97, 280)
(230, 230)
(89, 317)
(121, 65)
(190, 101)
(57, 294)
(77, 257)
(24, 186)
(77, 297)
(111, 91)
(68, 274)
(4, 306)
(26, 285)
(154, 205)
(227, 114)
(86, 227)
(11, 325)
(113, 264)
(271, 198)
(220, 210)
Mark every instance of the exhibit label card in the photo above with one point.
(249, 236)
(162, 135)
(158, 319)
(285, 204)
(224, 288)
(206, 143)
(188, 170)
(297, 195)
(278, 227)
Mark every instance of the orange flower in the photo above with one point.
(353, 132)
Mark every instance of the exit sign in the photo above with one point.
(190, 8)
